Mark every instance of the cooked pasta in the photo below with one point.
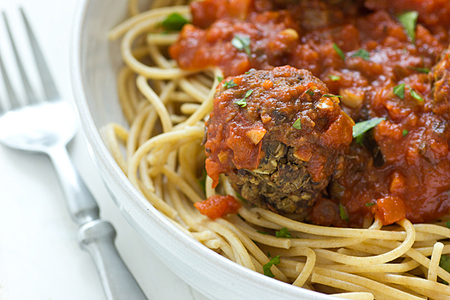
(162, 154)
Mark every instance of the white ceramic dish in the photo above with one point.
(95, 62)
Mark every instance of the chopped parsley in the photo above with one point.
(343, 213)
(242, 43)
(362, 53)
(360, 128)
(399, 90)
(369, 204)
(229, 84)
(273, 261)
(297, 124)
(331, 96)
(262, 232)
(447, 224)
(309, 92)
(334, 77)
(268, 254)
(219, 78)
(339, 51)
(243, 102)
(414, 94)
(174, 22)
(420, 70)
(283, 233)
(405, 132)
(409, 21)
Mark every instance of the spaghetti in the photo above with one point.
(166, 108)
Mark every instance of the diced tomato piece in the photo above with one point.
(217, 206)
(390, 209)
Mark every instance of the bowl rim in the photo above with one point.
(136, 199)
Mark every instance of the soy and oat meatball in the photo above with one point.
(278, 135)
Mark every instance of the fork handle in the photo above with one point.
(95, 236)
(82, 206)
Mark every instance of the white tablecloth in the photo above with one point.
(39, 254)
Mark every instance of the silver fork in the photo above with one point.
(47, 126)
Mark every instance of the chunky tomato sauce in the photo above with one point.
(361, 51)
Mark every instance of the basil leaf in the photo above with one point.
(362, 127)
(414, 94)
(420, 70)
(409, 21)
(283, 233)
(405, 132)
(362, 53)
(273, 261)
(339, 51)
(334, 77)
(174, 22)
(343, 213)
(229, 84)
(241, 42)
(297, 124)
(399, 90)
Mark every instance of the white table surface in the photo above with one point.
(39, 254)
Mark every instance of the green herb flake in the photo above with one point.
(273, 261)
(229, 84)
(243, 102)
(362, 53)
(444, 263)
(309, 92)
(174, 22)
(409, 21)
(262, 232)
(242, 43)
(202, 181)
(343, 213)
(297, 124)
(240, 197)
(364, 126)
(219, 78)
(414, 94)
(399, 90)
(405, 132)
(369, 204)
(331, 96)
(420, 70)
(268, 254)
(283, 233)
(334, 77)
(339, 51)
(447, 224)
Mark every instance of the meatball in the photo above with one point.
(278, 135)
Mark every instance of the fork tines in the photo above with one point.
(49, 87)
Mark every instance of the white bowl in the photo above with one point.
(95, 62)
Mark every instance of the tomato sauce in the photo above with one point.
(361, 51)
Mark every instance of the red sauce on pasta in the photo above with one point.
(361, 51)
